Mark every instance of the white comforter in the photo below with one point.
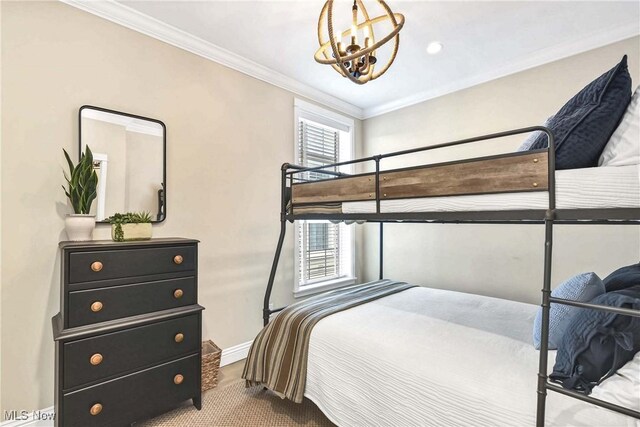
(439, 358)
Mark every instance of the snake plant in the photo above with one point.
(82, 182)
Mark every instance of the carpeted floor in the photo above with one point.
(232, 404)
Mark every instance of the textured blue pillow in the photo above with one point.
(623, 278)
(583, 287)
(584, 125)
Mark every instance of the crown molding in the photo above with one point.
(541, 57)
(137, 21)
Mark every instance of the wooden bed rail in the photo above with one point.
(512, 172)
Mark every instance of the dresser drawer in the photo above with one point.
(99, 305)
(115, 264)
(134, 397)
(91, 359)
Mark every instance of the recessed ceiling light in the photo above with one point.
(434, 47)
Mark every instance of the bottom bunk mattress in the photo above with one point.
(427, 357)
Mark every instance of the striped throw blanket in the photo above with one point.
(278, 356)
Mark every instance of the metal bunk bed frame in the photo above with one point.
(548, 217)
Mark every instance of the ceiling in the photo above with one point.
(482, 40)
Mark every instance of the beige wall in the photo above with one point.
(227, 136)
(503, 261)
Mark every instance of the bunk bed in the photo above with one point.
(513, 188)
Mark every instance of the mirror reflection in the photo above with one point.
(128, 153)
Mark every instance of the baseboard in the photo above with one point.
(41, 418)
(235, 353)
(44, 417)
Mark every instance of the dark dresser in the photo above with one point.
(128, 336)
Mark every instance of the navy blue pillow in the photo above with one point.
(623, 278)
(584, 125)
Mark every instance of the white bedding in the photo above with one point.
(589, 188)
(427, 357)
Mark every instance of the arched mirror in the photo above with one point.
(129, 154)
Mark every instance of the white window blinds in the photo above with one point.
(318, 145)
(319, 245)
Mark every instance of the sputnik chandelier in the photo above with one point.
(355, 61)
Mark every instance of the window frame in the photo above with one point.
(307, 111)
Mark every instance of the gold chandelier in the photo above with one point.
(354, 61)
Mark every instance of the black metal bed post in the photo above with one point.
(266, 311)
(381, 260)
(546, 288)
(544, 345)
(381, 250)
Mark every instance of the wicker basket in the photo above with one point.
(210, 364)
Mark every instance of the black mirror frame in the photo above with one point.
(164, 151)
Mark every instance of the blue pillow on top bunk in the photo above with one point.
(598, 343)
(583, 287)
(623, 278)
(584, 125)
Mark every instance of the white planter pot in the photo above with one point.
(133, 231)
(79, 227)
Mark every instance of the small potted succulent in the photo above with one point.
(130, 226)
(81, 190)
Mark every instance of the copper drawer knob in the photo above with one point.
(179, 338)
(96, 266)
(95, 409)
(178, 379)
(178, 259)
(178, 293)
(96, 306)
(96, 359)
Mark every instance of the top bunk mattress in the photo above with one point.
(589, 188)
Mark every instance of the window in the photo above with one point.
(324, 251)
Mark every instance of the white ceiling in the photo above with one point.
(482, 40)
